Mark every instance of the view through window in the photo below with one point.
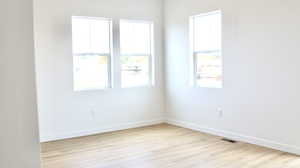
(207, 49)
(91, 53)
(136, 53)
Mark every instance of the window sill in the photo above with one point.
(208, 87)
(91, 90)
(139, 87)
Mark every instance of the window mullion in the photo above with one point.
(195, 60)
(151, 57)
(116, 54)
(109, 58)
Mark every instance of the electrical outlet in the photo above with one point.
(220, 112)
(92, 111)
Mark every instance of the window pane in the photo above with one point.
(91, 52)
(100, 36)
(91, 35)
(90, 72)
(207, 48)
(207, 32)
(135, 38)
(135, 70)
(81, 35)
(209, 70)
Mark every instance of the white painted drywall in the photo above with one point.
(65, 113)
(19, 143)
(261, 93)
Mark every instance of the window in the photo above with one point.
(206, 39)
(91, 53)
(136, 53)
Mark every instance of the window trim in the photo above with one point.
(151, 56)
(193, 53)
(109, 55)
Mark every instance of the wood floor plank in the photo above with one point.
(160, 146)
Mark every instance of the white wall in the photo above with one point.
(261, 90)
(260, 93)
(65, 113)
(19, 145)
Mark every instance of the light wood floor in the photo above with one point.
(160, 146)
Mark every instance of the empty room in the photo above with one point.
(149, 84)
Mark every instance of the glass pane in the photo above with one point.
(100, 36)
(207, 32)
(91, 38)
(135, 38)
(90, 72)
(81, 35)
(135, 70)
(209, 70)
(90, 35)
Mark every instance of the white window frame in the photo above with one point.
(193, 53)
(109, 55)
(151, 56)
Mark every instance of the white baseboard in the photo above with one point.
(189, 125)
(101, 130)
(238, 137)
